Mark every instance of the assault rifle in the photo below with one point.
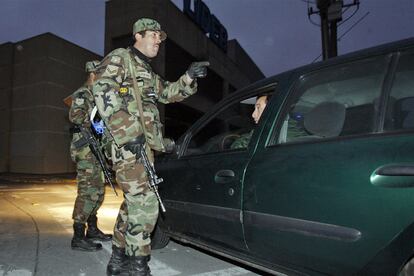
(153, 179)
(94, 146)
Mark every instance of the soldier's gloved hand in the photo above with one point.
(169, 145)
(135, 144)
(198, 69)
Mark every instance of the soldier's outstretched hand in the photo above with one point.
(198, 69)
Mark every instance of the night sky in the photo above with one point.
(277, 34)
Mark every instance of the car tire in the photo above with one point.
(159, 238)
(408, 268)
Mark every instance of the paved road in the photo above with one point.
(36, 229)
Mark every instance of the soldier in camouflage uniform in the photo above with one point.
(90, 180)
(118, 104)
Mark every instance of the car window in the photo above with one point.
(400, 108)
(333, 102)
(229, 129)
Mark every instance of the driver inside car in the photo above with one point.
(259, 107)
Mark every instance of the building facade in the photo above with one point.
(35, 76)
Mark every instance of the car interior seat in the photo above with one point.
(325, 120)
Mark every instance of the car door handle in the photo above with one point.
(394, 176)
(224, 176)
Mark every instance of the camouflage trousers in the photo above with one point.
(91, 185)
(139, 211)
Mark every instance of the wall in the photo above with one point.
(6, 86)
(44, 72)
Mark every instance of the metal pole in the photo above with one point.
(323, 12)
(333, 45)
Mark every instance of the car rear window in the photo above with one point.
(334, 102)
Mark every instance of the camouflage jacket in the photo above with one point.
(115, 98)
(82, 104)
(81, 107)
(242, 141)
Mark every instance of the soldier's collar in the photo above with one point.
(140, 55)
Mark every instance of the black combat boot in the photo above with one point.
(118, 264)
(79, 242)
(138, 266)
(93, 232)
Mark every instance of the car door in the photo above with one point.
(209, 172)
(313, 198)
(173, 193)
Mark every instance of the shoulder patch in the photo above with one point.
(116, 59)
(79, 101)
(111, 69)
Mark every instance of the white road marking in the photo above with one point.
(225, 272)
(15, 272)
(160, 268)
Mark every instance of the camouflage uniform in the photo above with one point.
(90, 179)
(242, 141)
(118, 107)
(89, 173)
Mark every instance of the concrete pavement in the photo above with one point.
(32, 240)
(36, 230)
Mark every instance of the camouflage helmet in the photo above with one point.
(91, 66)
(148, 24)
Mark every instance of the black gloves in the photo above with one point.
(135, 144)
(198, 69)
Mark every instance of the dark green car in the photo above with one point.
(324, 184)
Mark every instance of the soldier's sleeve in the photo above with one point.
(170, 92)
(79, 109)
(243, 141)
(111, 75)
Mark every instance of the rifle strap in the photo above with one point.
(137, 96)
